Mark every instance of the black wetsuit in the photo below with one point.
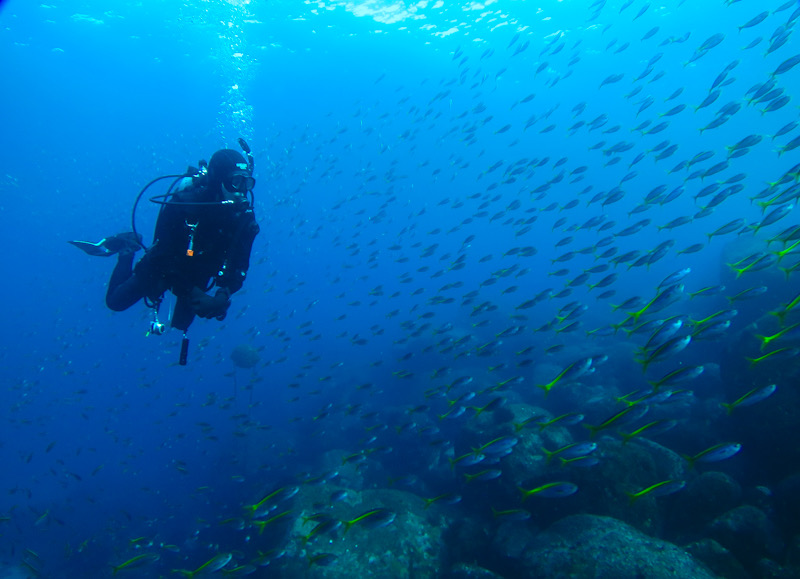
(222, 239)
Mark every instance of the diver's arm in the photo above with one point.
(237, 262)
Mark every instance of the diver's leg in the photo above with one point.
(183, 314)
(124, 288)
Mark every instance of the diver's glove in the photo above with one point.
(209, 307)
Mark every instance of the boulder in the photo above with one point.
(717, 558)
(410, 546)
(624, 468)
(467, 571)
(748, 533)
(705, 497)
(606, 548)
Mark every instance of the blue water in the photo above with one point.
(374, 127)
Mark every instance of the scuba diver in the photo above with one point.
(203, 238)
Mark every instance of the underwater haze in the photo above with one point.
(525, 302)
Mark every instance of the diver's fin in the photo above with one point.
(127, 242)
(95, 249)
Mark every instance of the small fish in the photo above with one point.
(510, 381)
(465, 397)
(241, 570)
(281, 494)
(679, 376)
(497, 446)
(674, 278)
(787, 308)
(214, 564)
(754, 396)
(136, 562)
(660, 489)
(712, 41)
(453, 413)
(551, 490)
(372, 519)
(664, 330)
(530, 420)
(711, 331)
(458, 382)
(355, 458)
(569, 451)
(237, 523)
(668, 296)
(776, 104)
(758, 19)
(488, 474)
(755, 42)
(715, 453)
(747, 294)
(786, 65)
(668, 348)
(493, 404)
(570, 373)
(650, 429)
(790, 146)
(322, 559)
(781, 354)
(569, 419)
(469, 459)
(263, 524)
(326, 527)
(790, 333)
(446, 499)
(511, 514)
(673, 111)
(611, 79)
(580, 461)
(605, 282)
(694, 248)
(650, 33)
(774, 215)
(730, 227)
(626, 415)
